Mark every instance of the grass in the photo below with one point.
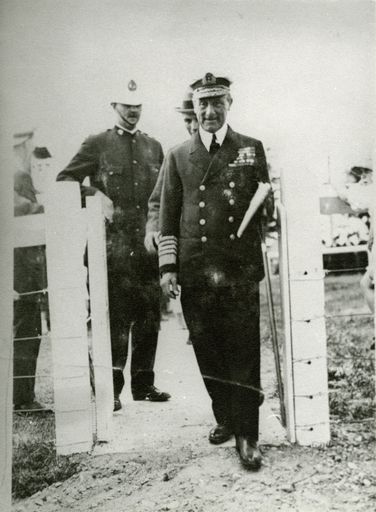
(35, 464)
(351, 369)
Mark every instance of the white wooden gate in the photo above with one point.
(65, 229)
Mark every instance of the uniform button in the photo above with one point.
(134, 141)
(135, 161)
(202, 222)
(231, 184)
(135, 183)
(201, 204)
(231, 219)
(120, 132)
(111, 173)
(137, 230)
(204, 239)
(232, 201)
(138, 206)
(232, 236)
(202, 187)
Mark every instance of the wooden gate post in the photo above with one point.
(65, 242)
(99, 312)
(300, 196)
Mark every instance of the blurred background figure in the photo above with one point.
(29, 282)
(40, 170)
(186, 110)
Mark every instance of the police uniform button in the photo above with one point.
(201, 204)
(232, 236)
(202, 187)
(135, 161)
(231, 184)
(232, 201)
(134, 141)
(202, 222)
(138, 206)
(111, 173)
(137, 230)
(204, 239)
(135, 183)
(120, 132)
(231, 218)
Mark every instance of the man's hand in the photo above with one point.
(169, 285)
(149, 242)
(107, 205)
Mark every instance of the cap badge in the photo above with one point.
(209, 79)
(132, 86)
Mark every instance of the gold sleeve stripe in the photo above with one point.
(167, 250)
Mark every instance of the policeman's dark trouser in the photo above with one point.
(224, 326)
(134, 308)
(27, 324)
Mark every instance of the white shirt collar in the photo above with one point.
(125, 130)
(207, 137)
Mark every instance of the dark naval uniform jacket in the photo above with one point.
(204, 200)
(125, 167)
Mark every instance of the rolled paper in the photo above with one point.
(255, 203)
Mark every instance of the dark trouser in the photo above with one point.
(223, 322)
(134, 307)
(27, 323)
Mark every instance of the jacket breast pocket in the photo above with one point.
(112, 179)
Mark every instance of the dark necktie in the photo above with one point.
(214, 146)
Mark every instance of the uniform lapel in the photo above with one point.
(226, 154)
(198, 154)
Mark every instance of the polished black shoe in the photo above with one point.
(152, 394)
(117, 404)
(249, 452)
(220, 434)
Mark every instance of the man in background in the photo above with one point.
(152, 225)
(29, 283)
(122, 164)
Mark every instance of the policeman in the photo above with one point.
(208, 185)
(123, 164)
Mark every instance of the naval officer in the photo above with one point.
(209, 182)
